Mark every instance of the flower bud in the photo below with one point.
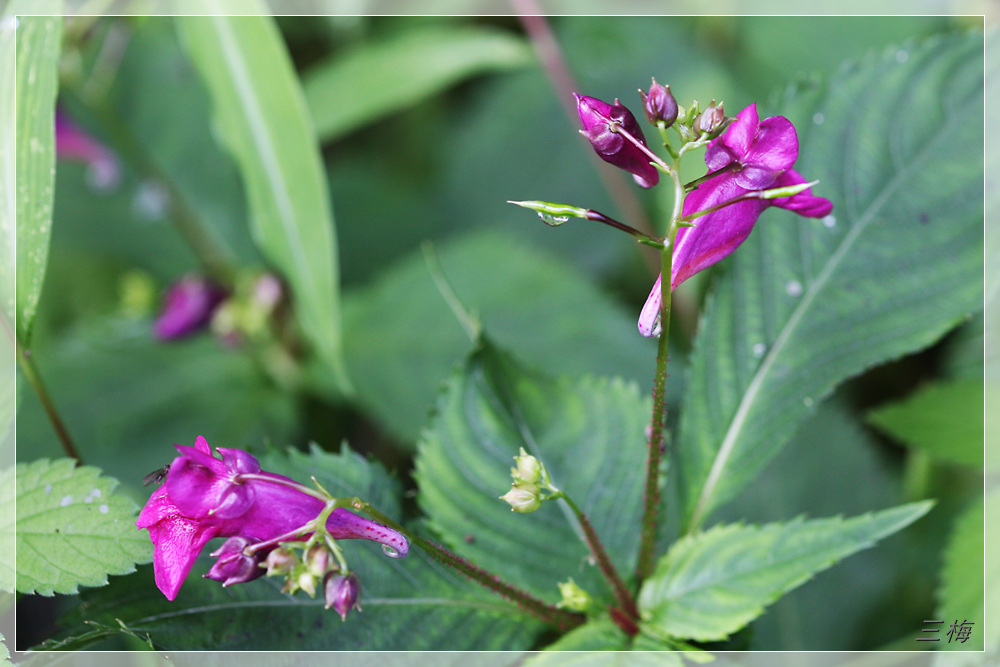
(601, 124)
(306, 582)
(711, 120)
(659, 104)
(317, 559)
(529, 469)
(523, 497)
(574, 598)
(233, 566)
(281, 561)
(342, 592)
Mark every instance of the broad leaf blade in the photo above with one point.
(711, 584)
(944, 420)
(808, 303)
(38, 43)
(261, 114)
(411, 603)
(71, 529)
(402, 341)
(378, 78)
(588, 432)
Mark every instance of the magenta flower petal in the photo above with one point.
(649, 318)
(346, 525)
(716, 235)
(205, 497)
(735, 142)
(177, 541)
(805, 203)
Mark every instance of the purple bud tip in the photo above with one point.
(659, 104)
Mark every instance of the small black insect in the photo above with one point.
(156, 476)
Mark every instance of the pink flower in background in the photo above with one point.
(73, 143)
(188, 307)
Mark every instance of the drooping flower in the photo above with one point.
(753, 155)
(600, 120)
(188, 307)
(204, 497)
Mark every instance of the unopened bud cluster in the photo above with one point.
(531, 479)
(316, 569)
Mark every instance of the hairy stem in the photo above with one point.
(622, 593)
(560, 618)
(656, 451)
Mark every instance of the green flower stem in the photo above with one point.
(656, 451)
(618, 587)
(560, 618)
(35, 380)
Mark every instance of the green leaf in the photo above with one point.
(410, 603)
(589, 645)
(4, 653)
(710, 584)
(38, 43)
(590, 433)
(960, 597)
(261, 114)
(944, 419)
(7, 521)
(71, 529)
(96, 633)
(832, 451)
(806, 303)
(162, 394)
(402, 341)
(349, 91)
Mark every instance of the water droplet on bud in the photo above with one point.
(553, 220)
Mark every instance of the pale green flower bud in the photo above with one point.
(574, 598)
(523, 497)
(529, 469)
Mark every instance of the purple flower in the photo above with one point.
(72, 143)
(598, 119)
(188, 307)
(756, 155)
(204, 497)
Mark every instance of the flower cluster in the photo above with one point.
(195, 302)
(751, 156)
(749, 169)
(204, 497)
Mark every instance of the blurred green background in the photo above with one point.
(437, 161)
